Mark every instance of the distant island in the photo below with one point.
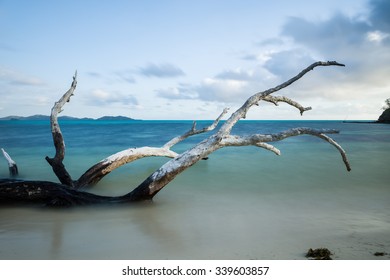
(385, 117)
(67, 118)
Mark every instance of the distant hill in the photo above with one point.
(18, 118)
(385, 117)
(114, 118)
(68, 118)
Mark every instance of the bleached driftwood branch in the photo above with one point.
(166, 173)
(261, 140)
(61, 194)
(107, 165)
(194, 131)
(13, 168)
(94, 174)
(57, 161)
(256, 98)
(276, 99)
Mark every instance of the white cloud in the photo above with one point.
(102, 97)
(229, 86)
(226, 71)
(364, 47)
(377, 36)
(100, 94)
(165, 70)
(126, 76)
(180, 92)
(362, 43)
(225, 90)
(41, 100)
(19, 79)
(237, 75)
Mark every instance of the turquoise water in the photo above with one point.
(243, 203)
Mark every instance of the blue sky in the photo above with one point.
(190, 59)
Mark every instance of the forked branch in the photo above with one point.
(194, 131)
(257, 97)
(94, 174)
(166, 173)
(62, 194)
(262, 140)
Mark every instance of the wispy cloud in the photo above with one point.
(362, 42)
(94, 74)
(285, 63)
(223, 90)
(363, 45)
(237, 74)
(126, 76)
(102, 97)
(41, 100)
(180, 92)
(165, 70)
(377, 36)
(229, 86)
(16, 78)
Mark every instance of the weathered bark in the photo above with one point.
(66, 193)
(50, 194)
(276, 99)
(59, 143)
(105, 166)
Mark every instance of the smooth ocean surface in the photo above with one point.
(242, 203)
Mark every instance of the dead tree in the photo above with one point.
(68, 192)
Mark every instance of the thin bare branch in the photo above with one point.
(339, 148)
(254, 99)
(269, 147)
(256, 139)
(235, 140)
(194, 131)
(276, 99)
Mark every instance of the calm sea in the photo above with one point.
(242, 203)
